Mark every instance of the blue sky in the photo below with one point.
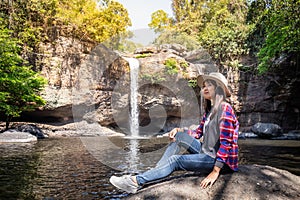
(140, 11)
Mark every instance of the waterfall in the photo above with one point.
(133, 158)
(134, 112)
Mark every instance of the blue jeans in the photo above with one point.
(172, 161)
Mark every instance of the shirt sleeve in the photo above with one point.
(198, 132)
(228, 136)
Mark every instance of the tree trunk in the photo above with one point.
(8, 118)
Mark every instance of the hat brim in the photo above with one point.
(202, 78)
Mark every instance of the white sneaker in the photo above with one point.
(124, 183)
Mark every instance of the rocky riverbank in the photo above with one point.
(252, 182)
(23, 131)
(60, 130)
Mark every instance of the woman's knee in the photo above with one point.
(173, 159)
(179, 136)
(174, 162)
(182, 137)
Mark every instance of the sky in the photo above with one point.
(140, 11)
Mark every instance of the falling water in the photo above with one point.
(134, 113)
(133, 158)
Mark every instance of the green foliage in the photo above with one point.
(218, 26)
(29, 20)
(254, 17)
(190, 15)
(231, 29)
(226, 33)
(282, 32)
(171, 66)
(192, 83)
(93, 21)
(144, 55)
(19, 85)
(225, 44)
(153, 78)
(160, 21)
(183, 64)
(34, 21)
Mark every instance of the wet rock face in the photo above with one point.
(270, 99)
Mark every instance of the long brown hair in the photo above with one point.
(219, 97)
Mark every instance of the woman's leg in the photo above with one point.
(168, 163)
(182, 140)
(189, 162)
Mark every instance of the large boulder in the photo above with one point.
(251, 182)
(33, 130)
(267, 130)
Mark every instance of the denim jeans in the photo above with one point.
(172, 160)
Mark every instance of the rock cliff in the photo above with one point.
(92, 83)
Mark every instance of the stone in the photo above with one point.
(33, 130)
(177, 49)
(146, 50)
(251, 182)
(244, 135)
(267, 130)
(291, 135)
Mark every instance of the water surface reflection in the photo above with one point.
(64, 168)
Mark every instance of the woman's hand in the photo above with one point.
(211, 178)
(173, 133)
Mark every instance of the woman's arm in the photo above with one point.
(211, 178)
(197, 133)
(228, 150)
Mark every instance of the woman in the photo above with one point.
(212, 146)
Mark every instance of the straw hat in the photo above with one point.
(216, 76)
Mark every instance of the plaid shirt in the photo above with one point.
(229, 125)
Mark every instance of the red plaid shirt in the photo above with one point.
(229, 125)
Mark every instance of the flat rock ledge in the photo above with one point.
(16, 137)
(252, 182)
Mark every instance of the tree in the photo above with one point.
(225, 33)
(282, 33)
(218, 26)
(19, 84)
(190, 15)
(159, 21)
(96, 21)
(35, 21)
